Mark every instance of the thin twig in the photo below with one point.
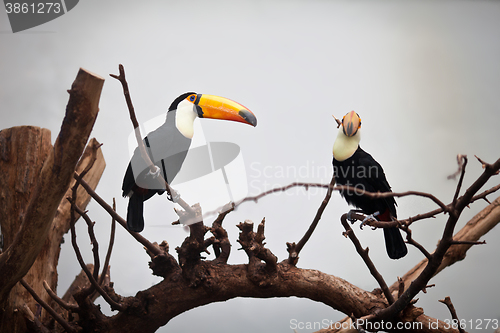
(488, 166)
(105, 268)
(150, 246)
(351, 189)
(460, 167)
(140, 142)
(434, 212)
(461, 179)
(93, 240)
(401, 287)
(449, 304)
(424, 289)
(47, 307)
(126, 93)
(94, 283)
(294, 249)
(366, 258)
(60, 301)
(75, 208)
(413, 242)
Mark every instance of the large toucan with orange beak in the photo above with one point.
(352, 166)
(168, 145)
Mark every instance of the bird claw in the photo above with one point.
(350, 218)
(154, 174)
(174, 196)
(368, 218)
(349, 215)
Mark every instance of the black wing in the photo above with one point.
(364, 173)
(167, 148)
(376, 179)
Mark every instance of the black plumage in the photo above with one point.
(364, 173)
(167, 149)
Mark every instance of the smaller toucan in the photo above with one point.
(352, 166)
(168, 145)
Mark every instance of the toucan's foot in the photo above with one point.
(368, 218)
(349, 215)
(154, 174)
(173, 196)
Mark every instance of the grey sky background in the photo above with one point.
(423, 76)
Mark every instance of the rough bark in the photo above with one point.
(157, 305)
(33, 193)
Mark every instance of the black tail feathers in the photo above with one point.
(135, 210)
(394, 243)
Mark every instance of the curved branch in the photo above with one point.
(58, 300)
(290, 281)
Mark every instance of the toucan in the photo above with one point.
(354, 167)
(168, 145)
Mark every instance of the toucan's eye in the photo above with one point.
(192, 98)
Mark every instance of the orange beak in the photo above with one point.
(216, 107)
(351, 123)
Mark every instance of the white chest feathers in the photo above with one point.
(345, 146)
(184, 118)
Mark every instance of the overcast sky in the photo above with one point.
(423, 76)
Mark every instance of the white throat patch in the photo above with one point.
(345, 146)
(184, 119)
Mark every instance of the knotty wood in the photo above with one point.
(35, 179)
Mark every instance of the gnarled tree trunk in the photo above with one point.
(34, 214)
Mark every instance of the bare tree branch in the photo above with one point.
(58, 300)
(151, 247)
(413, 242)
(105, 268)
(93, 241)
(372, 195)
(460, 162)
(47, 307)
(294, 249)
(366, 258)
(461, 179)
(449, 304)
(140, 143)
(111, 302)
